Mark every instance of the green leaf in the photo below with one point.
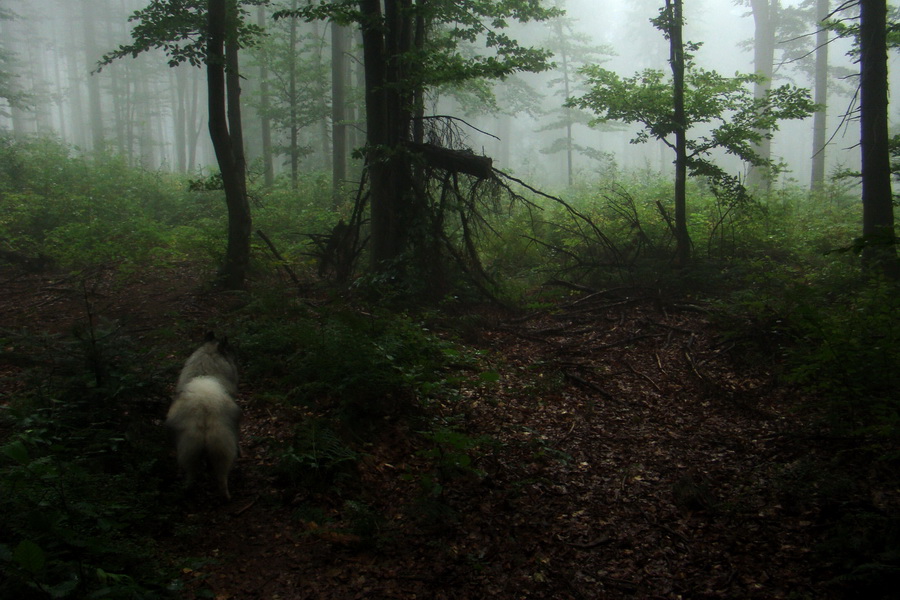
(30, 557)
(17, 452)
(489, 376)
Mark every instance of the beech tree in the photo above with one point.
(409, 48)
(296, 90)
(208, 33)
(766, 16)
(669, 108)
(879, 238)
(817, 174)
(264, 104)
(873, 34)
(9, 90)
(572, 51)
(340, 81)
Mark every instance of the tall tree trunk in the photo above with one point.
(195, 121)
(387, 176)
(265, 121)
(179, 99)
(567, 112)
(93, 82)
(878, 211)
(357, 134)
(145, 134)
(339, 79)
(226, 135)
(321, 95)
(119, 88)
(765, 17)
(292, 92)
(58, 78)
(676, 60)
(817, 175)
(504, 132)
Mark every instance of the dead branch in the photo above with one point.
(278, 256)
(454, 161)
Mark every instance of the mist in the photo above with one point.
(155, 114)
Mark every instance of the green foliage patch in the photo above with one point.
(78, 211)
(80, 477)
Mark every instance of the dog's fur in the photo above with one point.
(204, 418)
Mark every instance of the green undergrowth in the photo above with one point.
(63, 210)
(831, 333)
(363, 377)
(83, 488)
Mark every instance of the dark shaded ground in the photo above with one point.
(635, 455)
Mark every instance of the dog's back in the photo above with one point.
(204, 418)
(214, 359)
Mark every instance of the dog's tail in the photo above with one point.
(205, 419)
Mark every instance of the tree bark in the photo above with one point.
(879, 238)
(178, 76)
(567, 112)
(817, 174)
(294, 126)
(388, 175)
(765, 18)
(339, 79)
(96, 109)
(226, 135)
(676, 60)
(265, 121)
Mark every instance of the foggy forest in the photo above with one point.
(450, 299)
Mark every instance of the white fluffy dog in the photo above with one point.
(204, 417)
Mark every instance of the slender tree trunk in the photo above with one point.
(878, 211)
(43, 121)
(765, 18)
(60, 108)
(564, 64)
(119, 86)
(130, 119)
(145, 133)
(321, 94)
(195, 122)
(179, 94)
(265, 121)
(93, 83)
(676, 60)
(339, 77)
(817, 175)
(294, 127)
(358, 73)
(226, 135)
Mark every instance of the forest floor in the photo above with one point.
(635, 452)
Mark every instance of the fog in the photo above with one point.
(154, 115)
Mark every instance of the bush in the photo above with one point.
(79, 210)
(79, 480)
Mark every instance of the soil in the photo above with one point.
(630, 451)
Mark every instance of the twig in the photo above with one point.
(573, 286)
(642, 375)
(690, 360)
(590, 385)
(244, 508)
(659, 364)
(633, 338)
(278, 256)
